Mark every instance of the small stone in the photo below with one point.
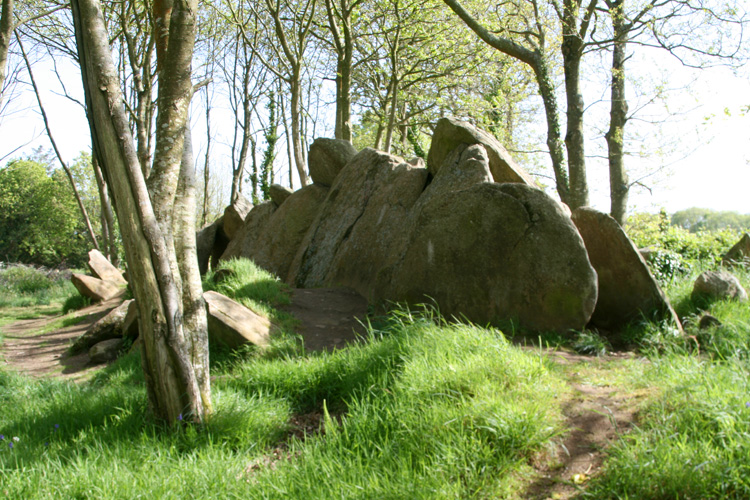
(708, 321)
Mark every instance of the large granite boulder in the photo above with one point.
(233, 324)
(718, 285)
(327, 157)
(235, 214)
(360, 224)
(739, 253)
(94, 288)
(450, 133)
(497, 252)
(103, 269)
(277, 243)
(279, 193)
(246, 239)
(211, 242)
(627, 289)
(110, 326)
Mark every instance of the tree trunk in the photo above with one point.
(296, 112)
(6, 31)
(391, 115)
(572, 52)
(206, 163)
(554, 142)
(619, 186)
(177, 389)
(108, 217)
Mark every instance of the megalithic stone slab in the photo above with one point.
(739, 253)
(234, 324)
(326, 159)
(235, 215)
(94, 288)
(450, 133)
(627, 289)
(103, 269)
(109, 327)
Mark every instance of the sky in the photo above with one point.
(710, 170)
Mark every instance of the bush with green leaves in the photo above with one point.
(677, 250)
(40, 222)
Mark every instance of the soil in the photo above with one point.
(47, 355)
(332, 318)
(596, 416)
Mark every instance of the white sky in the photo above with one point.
(715, 173)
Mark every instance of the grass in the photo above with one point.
(425, 409)
(692, 440)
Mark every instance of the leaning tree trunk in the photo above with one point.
(177, 388)
(619, 184)
(69, 175)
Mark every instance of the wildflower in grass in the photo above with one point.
(747, 405)
(10, 444)
(179, 417)
(16, 439)
(2, 437)
(57, 426)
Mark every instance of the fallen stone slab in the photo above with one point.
(233, 324)
(109, 327)
(95, 288)
(103, 269)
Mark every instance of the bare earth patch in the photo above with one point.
(46, 354)
(596, 416)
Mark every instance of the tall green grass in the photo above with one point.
(693, 439)
(425, 409)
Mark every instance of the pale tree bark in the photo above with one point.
(172, 345)
(573, 36)
(340, 25)
(107, 215)
(619, 183)
(6, 32)
(67, 171)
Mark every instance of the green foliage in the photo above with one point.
(39, 219)
(691, 442)
(591, 343)
(75, 302)
(677, 250)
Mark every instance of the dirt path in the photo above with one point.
(46, 354)
(596, 415)
(329, 319)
